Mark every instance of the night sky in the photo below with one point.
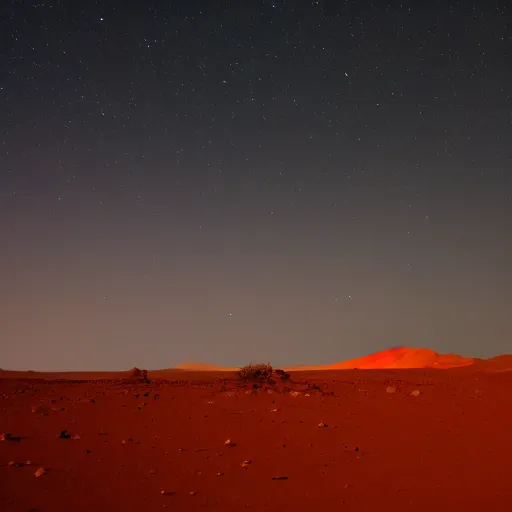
(275, 180)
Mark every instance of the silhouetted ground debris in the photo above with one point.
(9, 437)
(283, 375)
(40, 409)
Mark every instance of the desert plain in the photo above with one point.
(401, 430)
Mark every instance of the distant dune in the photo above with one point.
(393, 358)
(191, 366)
(497, 364)
(399, 357)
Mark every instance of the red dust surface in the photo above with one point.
(333, 440)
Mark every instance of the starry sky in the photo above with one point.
(299, 182)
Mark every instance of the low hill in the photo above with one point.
(192, 366)
(398, 357)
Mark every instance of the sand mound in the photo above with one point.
(393, 358)
(497, 364)
(398, 357)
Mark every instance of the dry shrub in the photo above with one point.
(259, 372)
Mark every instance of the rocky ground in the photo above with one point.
(344, 440)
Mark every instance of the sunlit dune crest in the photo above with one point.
(398, 357)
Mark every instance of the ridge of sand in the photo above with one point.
(501, 363)
(393, 358)
(396, 358)
(193, 366)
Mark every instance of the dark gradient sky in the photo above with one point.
(291, 181)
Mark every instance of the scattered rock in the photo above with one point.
(324, 425)
(167, 493)
(246, 463)
(390, 390)
(7, 436)
(228, 442)
(64, 435)
(13, 464)
(41, 409)
(40, 472)
(279, 478)
(415, 393)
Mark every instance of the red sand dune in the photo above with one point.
(399, 357)
(394, 358)
(498, 363)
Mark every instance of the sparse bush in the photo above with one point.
(283, 375)
(259, 372)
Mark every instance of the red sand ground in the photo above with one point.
(382, 448)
